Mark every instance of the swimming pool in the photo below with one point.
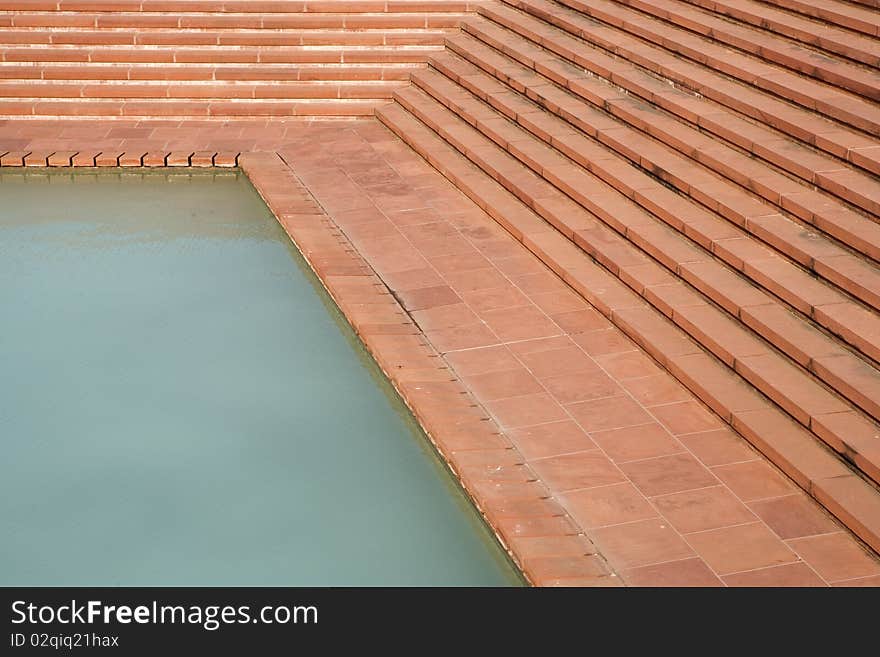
(182, 404)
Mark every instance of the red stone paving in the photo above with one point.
(591, 462)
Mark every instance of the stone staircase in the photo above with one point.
(706, 174)
(213, 59)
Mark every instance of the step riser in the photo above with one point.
(245, 22)
(241, 6)
(237, 90)
(186, 40)
(206, 73)
(411, 55)
(175, 108)
(820, 476)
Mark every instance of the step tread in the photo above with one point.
(239, 6)
(184, 38)
(204, 89)
(177, 107)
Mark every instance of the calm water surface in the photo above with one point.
(182, 404)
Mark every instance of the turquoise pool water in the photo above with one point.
(182, 404)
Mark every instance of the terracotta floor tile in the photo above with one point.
(608, 413)
(686, 417)
(657, 389)
(413, 217)
(682, 573)
(538, 345)
(581, 386)
(526, 410)
(718, 447)
(499, 385)
(791, 574)
(607, 505)
(428, 297)
(481, 360)
(707, 508)
(448, 264)
(520, 323)
(561, 301)
(641, 543)
(412, 279)
(579, 321)
(604, 342)
(564, 567)
(794, 516)
(538, 283)
(668, 474)
(859, 582)
(753, 480)
(544, 546)
(494, 298)
(555, 526)
(628, 365)
(836, 556)
(519, 264)
(455, 314)
(476, 279)
(469, 336)
(639, 442)
(745, 547)
(555, 362)
(551, 439)
(579, 470)
(608, 581)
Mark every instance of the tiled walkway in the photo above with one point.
(666, 492)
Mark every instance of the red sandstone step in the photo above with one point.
(144, 20)
(792, 55)
(188, 38)
(81, 107)
(737, 206)
(816, 33)
(826, 99)
(822, 212)
(286, 90)
(221, 54)
(240, 6)
(775, 274)
(568, 42)
(794, 449)
(266, 72)
(713, 328)
(838, 13)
